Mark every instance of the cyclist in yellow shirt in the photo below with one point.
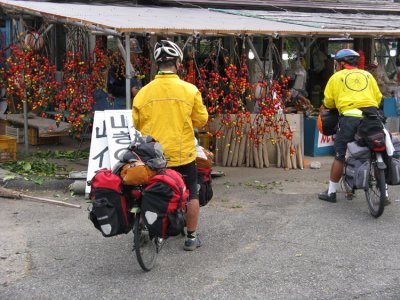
(168, 109)
(349, 90)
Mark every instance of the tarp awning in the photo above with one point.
(169, 20)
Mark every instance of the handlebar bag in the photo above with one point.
(327, 122)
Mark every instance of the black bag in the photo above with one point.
(109, 211)
(370, 130)
(163, 204)
(205, 182)
(396, 145)
(150, 152)
(328, 122)
(393, 171)
(357, 166)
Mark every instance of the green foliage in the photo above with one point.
(70, 155)
(36, 166)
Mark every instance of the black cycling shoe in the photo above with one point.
(325, 197)
(386, 202)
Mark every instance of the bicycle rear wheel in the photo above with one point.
(376, 191)
(146, 247)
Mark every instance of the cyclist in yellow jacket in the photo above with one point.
(348, 90)
(168, 109)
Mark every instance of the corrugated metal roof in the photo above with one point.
(351, 6)
(188, 20)
(327, 21)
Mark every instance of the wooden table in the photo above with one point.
(40, 130)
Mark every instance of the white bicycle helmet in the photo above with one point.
(167, 50)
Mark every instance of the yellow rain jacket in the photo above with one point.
(167, 109)
(350, 89)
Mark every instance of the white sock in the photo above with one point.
(332, 187)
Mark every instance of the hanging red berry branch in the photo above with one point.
(29, 75)
(226, 91)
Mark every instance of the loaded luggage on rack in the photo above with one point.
(163, 198)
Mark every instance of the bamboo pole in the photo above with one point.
(7, 193)
(299, 156)
(247, 152)
(293, 159)
(218, 145)
(265, 154)
(251, 158)
(242, 149)
(260, 154)
(255, 155)
(236, 152)
(278, 155)
(232, 148)
(226, 147)
(289, 161)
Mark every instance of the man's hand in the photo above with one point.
(323, 108)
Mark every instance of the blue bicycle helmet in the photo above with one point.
(347, 55)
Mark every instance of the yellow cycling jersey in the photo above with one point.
(349, 89)
(167, 109)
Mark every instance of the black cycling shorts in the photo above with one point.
(347, 129)
(189, 173)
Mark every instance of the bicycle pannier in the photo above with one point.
(204, 166)
(163, 203)
(396, 146)
(370, 130)
(205, 183)
(393, 171)
(109, 211)
(357, 166)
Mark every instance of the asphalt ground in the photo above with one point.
(265, 236)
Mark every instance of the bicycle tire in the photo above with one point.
(146, 247)
(376, 191)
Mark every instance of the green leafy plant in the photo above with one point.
(36, 166)
(57, 154)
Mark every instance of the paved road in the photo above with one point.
(265, 235)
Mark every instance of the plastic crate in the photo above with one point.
(8, 148)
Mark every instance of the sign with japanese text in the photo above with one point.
(111, 134)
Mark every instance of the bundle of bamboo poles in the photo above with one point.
(233, 150)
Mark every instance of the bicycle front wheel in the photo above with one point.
(145, 245)
(376, 191)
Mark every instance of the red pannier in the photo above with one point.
(205, 182)
(163, 204)
(109, 211)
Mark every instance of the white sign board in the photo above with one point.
(112, 133)
(325, 141)
(118, 138)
